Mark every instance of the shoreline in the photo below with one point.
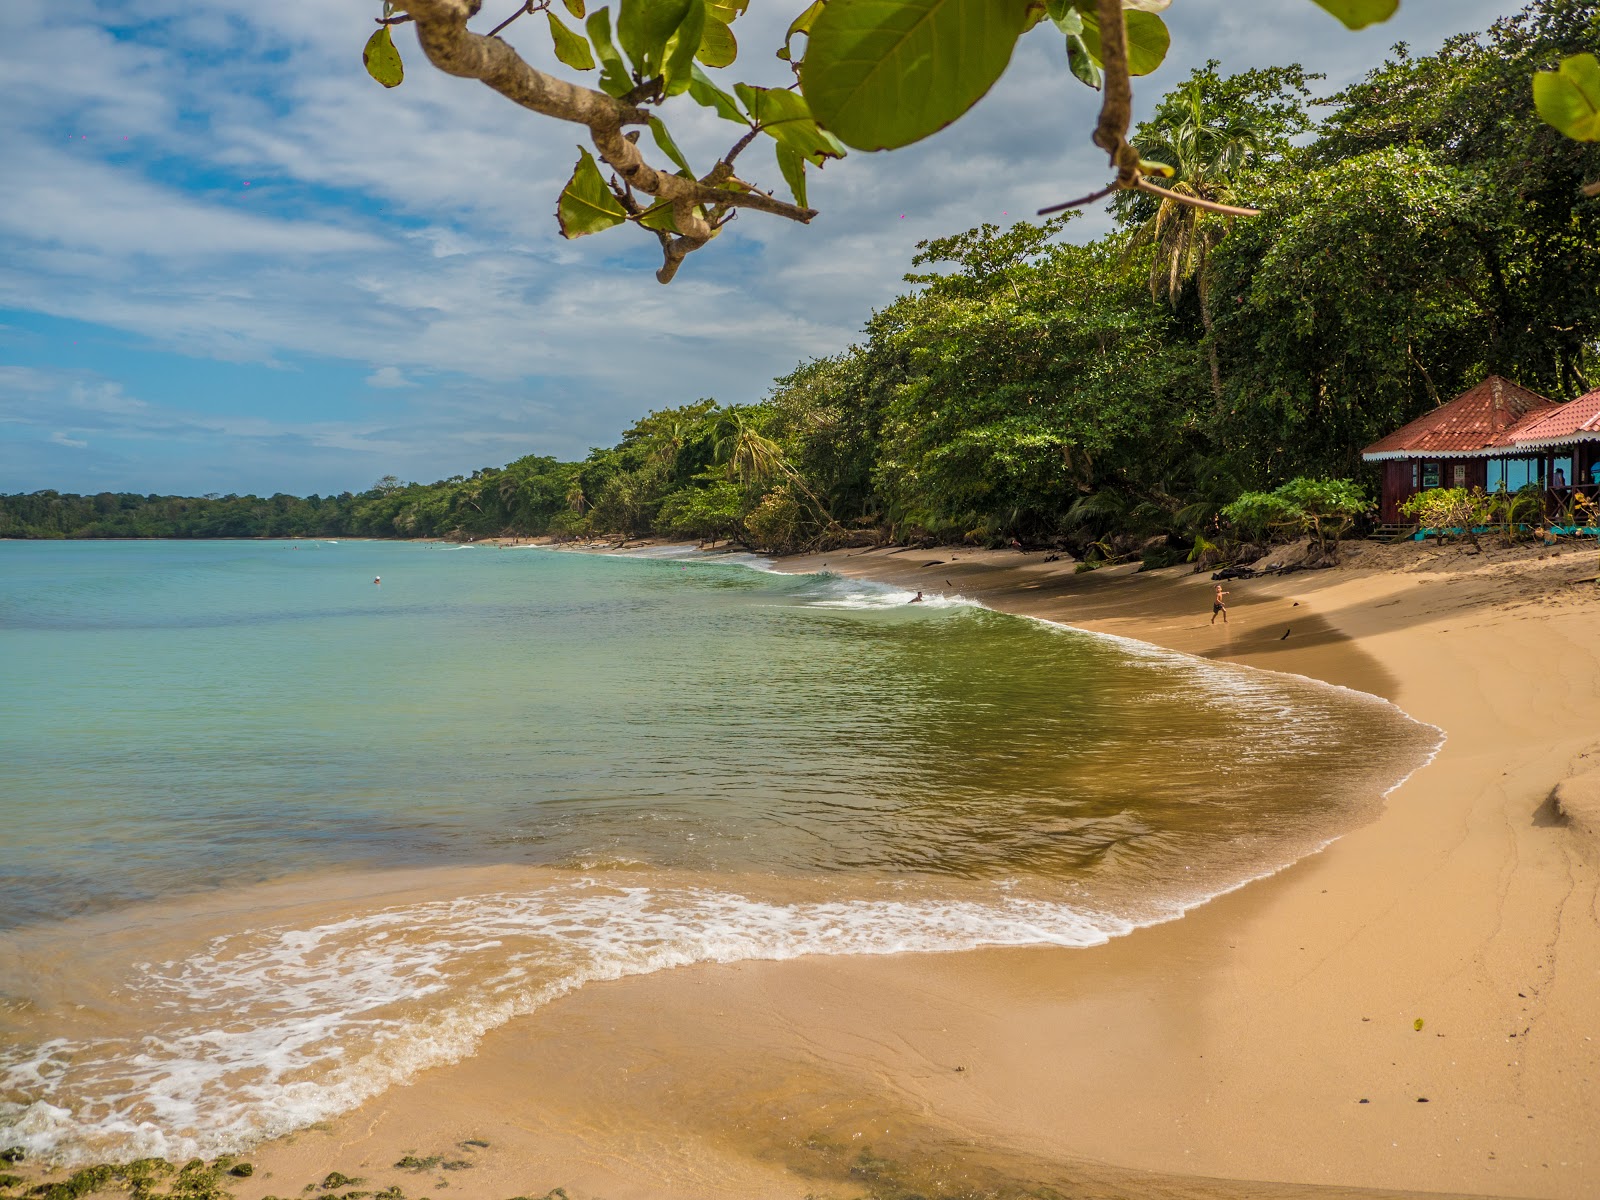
(1235, 1044)
(1231, 1046)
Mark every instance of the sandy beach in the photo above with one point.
(1412, 1010)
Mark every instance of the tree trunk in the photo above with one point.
(1211, 343)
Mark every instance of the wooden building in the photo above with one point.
(1570, 438)
(1469, 442)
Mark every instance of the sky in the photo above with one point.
(231, 262)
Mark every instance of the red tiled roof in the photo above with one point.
(1578, 421)
(1478, 421)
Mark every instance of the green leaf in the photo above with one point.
(587, 205)
(614, 77)
(1417, 1024)
(682, 46)
(726, 11)
(643, 27)
(1569, 97)
(658, 216)
(793, 167)
(801, 24)
(718, 46)
(658, 130)
(1358, 14)
(1067, 18)
(570, 47)
(886, 73)
(1082, 63)
(703, 91)
(575, 7)
(382, 60)
(661, 216)
(1148, 40)
(784, 115)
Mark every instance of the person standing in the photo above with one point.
(1219, 605)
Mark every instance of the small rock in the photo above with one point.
(243, 1170)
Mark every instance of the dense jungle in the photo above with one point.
(1111, 394)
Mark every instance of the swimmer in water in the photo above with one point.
(917, 599)
(378, 580)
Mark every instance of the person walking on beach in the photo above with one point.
(1219, 605)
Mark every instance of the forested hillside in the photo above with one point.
(1417, 231)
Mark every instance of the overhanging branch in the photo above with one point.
(455, 50)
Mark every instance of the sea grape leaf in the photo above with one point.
(1148, 40)
(570, 47)
(659, 216)
(703, 91)
(682, 47)
(784, 115)
(1569, 97)
(793, 166)
(1358, 14)
(643, 27)
(801, 24)
(885, 73)
(575, 7)
(718, 47)
(1082, 63)
(382, 59)
(587, 205)
(614, 77)
(726, 11)
(658, 130)
(1417, 1024)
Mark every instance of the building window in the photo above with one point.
(1413, 475)
(1430, 474)
(1458, 475)
(1564, 466)
(1512, 473)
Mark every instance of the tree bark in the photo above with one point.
(451, 47)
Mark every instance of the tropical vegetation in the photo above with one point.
(1150, 391)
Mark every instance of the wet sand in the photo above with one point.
(1234, 1045)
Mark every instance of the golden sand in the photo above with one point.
(1271, 1035)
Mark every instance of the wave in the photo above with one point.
(269, 1031)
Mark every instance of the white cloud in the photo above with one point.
(389, 377)
(415, 228)
(61, 439)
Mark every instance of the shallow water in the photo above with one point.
(672, 761)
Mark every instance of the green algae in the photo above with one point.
(412, 1163)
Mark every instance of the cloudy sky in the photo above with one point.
(230, 261)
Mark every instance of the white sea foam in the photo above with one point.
(269, 1031)
(834, 591)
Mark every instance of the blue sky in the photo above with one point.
(234, 263)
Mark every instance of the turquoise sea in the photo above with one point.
(598, 765)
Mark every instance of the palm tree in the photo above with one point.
(576, 500)
(755, 460)
(1205, 158)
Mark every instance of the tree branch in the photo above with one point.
(1080, 201)
(450, 46)
(1144, 185)
(1116, 107)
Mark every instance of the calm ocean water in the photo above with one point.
(685, 760)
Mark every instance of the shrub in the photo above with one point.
(1322, 509)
